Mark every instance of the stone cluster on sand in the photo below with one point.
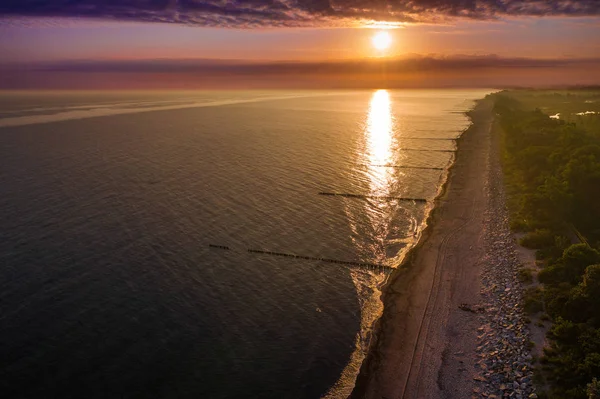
(504, 364)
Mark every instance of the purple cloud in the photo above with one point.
(257, 13)
(241, 67)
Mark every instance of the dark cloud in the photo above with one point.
(363, 66)
(415, 72)
(254, 13)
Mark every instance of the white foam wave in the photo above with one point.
(114, 109)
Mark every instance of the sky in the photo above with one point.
(137, 44)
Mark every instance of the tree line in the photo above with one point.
(552, 176)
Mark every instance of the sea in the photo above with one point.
(196, 244)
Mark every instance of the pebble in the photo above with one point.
(502, 352)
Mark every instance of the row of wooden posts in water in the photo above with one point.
(327, 260)
(348, 195)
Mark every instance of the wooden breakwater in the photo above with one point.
(425, 150)
(219, 246)
(360, 196)
(431, 138)
(313, 258)
(401, 166)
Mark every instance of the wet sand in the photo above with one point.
(424, 344)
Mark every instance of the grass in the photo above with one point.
(525, 275)
(538, 239)
(533, 300)
(545, 317)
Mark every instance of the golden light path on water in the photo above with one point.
(379, 145)
(384, 229)
(379, 140)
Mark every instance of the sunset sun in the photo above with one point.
(382, 40)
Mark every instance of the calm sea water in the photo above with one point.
(108, 286)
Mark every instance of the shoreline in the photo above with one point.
(409, 345)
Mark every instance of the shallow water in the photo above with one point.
(108, 286)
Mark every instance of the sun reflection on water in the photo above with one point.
(379, 131)
(371, 238)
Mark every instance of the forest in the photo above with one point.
(552, 176)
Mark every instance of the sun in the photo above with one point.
(382, 40)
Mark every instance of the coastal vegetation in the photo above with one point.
(581, 107)
(550, 144)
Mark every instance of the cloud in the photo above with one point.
(265, 70)
(248, 68)
(417, 71)
(274, 13)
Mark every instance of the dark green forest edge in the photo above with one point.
(552, 177)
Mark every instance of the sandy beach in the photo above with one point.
(424, 345)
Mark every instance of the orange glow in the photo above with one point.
(379, 140)
(382, 40)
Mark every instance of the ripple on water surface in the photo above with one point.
(108, 286)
